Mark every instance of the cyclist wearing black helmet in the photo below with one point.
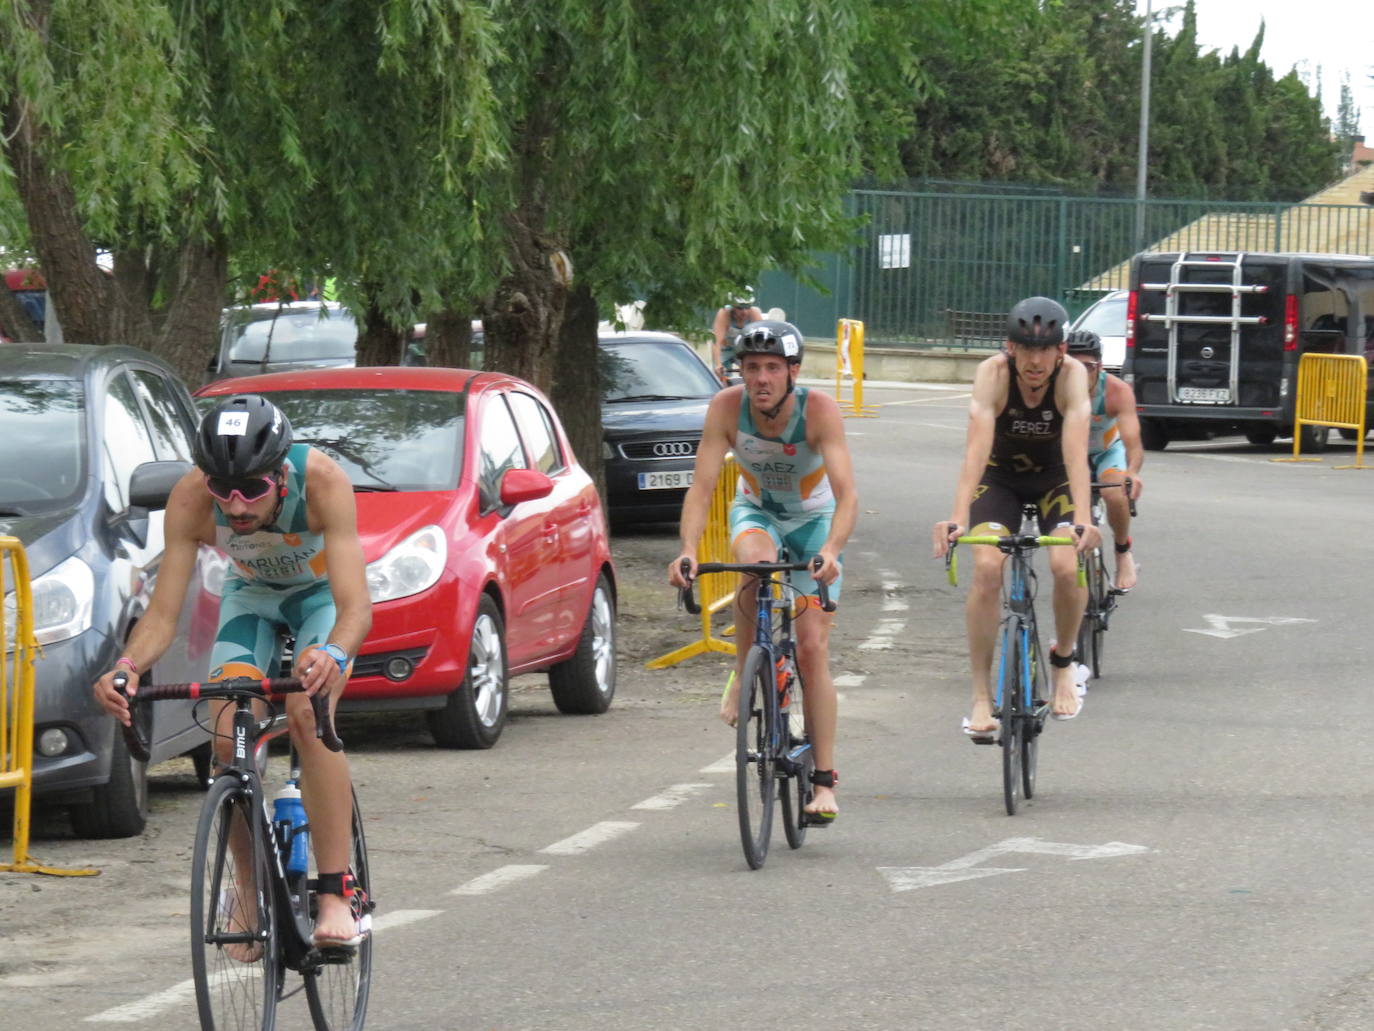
(738, 311)
(1027, 442)
(284, 514)
(795, 490)
(1114, 448)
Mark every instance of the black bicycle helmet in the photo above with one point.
(1037, 322)
(244, 435)
(770, 336)
(1084, 341)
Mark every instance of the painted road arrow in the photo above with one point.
(1220, 626)
(966, 868)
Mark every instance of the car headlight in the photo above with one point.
(62, 600)
(412, 566)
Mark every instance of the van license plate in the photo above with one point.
(679, 480)
(1214, 395)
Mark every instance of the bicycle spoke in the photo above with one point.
(337, 991)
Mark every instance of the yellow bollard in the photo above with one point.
(849, 361)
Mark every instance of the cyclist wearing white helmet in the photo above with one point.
(738, 311)
(795, 491)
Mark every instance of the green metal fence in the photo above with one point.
(921, 254)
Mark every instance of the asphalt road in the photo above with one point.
(1198, 855)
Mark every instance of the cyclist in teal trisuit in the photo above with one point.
(795, 490)
(285, 516)
(1027, 442)
(1115, 451)
(737, 313)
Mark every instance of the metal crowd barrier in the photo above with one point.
(16, 705)
(1331, 392)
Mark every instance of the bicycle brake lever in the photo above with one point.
(133, 737)
(822, 590)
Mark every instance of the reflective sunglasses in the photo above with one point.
(1090, 366)
(254, 488)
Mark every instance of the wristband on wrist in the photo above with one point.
(336, 653)
(124, 660)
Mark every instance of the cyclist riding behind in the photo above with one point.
(1027, 443)
(286, 517)
(795, 490)
(730, 319)
(1115, 452)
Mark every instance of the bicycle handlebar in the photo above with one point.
(1007, 544)
(230, 689)
(758, 569)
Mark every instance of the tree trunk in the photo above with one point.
(576, 392)
(379, 342)
(522, 320)
(188, 333)
(448, 340)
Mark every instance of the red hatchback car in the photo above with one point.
(486, 546)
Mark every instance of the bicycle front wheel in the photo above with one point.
(755, 755)
(337, 989)
(1009, 691)
(1032, 721)
(795, 790)
(1099, 599)
(234, 958)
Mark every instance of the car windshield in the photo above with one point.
(42, 465)
(653, 371)
(292, 336)
(405, 440)
(1107, 319)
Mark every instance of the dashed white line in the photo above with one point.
(401, 917)
(140, 1010)
(722, 765)
(883, 634)
(674, 796)
(850, 680)
(585, 841)
(498, 878)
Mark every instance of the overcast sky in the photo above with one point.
(1335, 35)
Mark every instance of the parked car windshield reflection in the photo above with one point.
(653, 372)
(406, 440)
(1107, 318)
(276, 336)
(42, 466)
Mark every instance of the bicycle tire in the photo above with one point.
(755, 767)
(1032, 720)
(794, 816)
(1008, 690)
(233, 992)
(338, 989)
(1099, 601)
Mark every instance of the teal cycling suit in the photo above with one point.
(1106, 449)
(276, 585)
(783, 490)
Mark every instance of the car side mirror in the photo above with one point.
(519, 485)
(151, 483)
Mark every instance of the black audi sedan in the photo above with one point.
(95, 438)
(654, 394)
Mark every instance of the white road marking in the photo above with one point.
(723, 765)
(1220, 626)
(140, 1010)
(498, 878)
(908, 878)
(850, 680)
(585, 841)
(883, 634)
(674, 796)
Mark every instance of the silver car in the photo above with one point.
(1107, 318)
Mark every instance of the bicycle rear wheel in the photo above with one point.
(337, 990)
(1099, 603)
(234, 957)
(1009, 691)
(755, 763)
(1032, 721)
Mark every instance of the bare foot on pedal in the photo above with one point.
(1125, 571)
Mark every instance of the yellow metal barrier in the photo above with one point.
(1331, 392)
(16, 705)
(849, 361)
(715, 590)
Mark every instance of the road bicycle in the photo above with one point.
(1102, 591)
(251, 914)
(1023, 691)
(773, 755)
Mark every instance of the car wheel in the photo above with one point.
(1154, 435)
(585, 683)
(1262, 436)
(475, 714)
(119, 807)
(1314, 439)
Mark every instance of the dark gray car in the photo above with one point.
(95, 437)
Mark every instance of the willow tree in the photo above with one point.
(182, 134)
